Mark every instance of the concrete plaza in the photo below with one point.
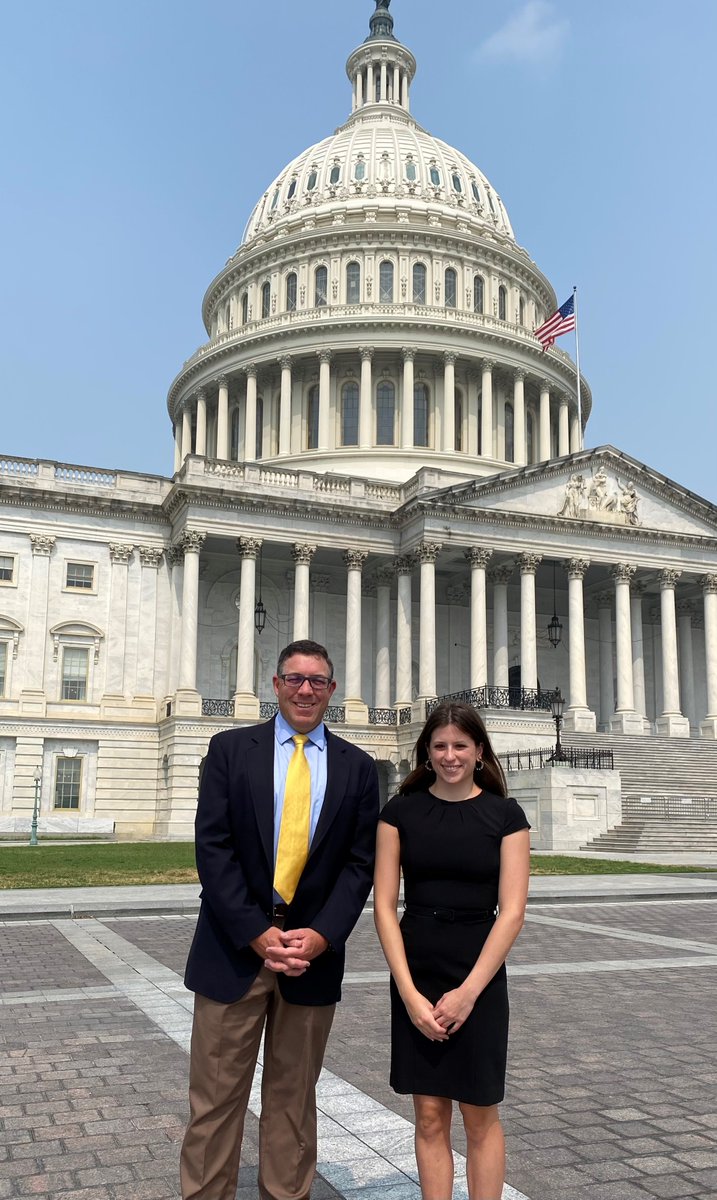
(612, 1076)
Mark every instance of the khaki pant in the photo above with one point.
(225, 1044)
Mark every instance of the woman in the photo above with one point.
(464, 849)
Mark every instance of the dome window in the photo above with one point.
(349, 414)
(234, 437)
(521, 311)
(502, 304)
(419, 283)
(411, 171)
(266, 299)
(360, 171)
(435, 176)
(450, 283)
(259, 445)
(275, 200)
(353, 283)
(420, 414)
(321, 288)
(476, 192)
(478, 294)
(509, 433)
(385, 283)
(244, 309)
(291, 292)
(458, 421)
(312, 419)
(492, 205)
(335, 174)
(292, 190)
(457, 185)
(385, 413)
(311, 181)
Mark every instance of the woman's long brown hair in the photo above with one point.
(465, 718)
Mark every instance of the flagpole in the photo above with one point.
(577, 364)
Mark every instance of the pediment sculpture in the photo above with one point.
(600, 498)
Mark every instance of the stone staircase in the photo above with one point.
(669, 792)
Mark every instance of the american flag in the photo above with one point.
(562, 321)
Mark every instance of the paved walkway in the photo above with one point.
(612, 1069)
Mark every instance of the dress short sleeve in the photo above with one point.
(390, 812)
(515, 818)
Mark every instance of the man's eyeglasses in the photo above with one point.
(318, 683)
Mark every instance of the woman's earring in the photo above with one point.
(429, 765)
(479, 765)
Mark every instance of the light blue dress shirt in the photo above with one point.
(316, 756)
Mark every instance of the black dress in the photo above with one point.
(450, 856)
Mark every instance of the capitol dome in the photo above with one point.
(378, 314)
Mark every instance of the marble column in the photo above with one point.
(223, 418)
(528, 564)
(575, 434)
(33, 701)
(519, 455)
(120, 557)
(426, 555)
(685, 611)
(638, 651)
(250, 444)
(365, 404)
(624, 719)
(186, 430)
(302, 554)
(150, 558)
(449, 402)
(563, 428)
(708, 728)
(177, 445)
(201, 447)
(403, 568)
(500, 577)
(578, 716)
(319, 584)
(188, 701)
(486, 409)
(544, 447)
(354, 704)
(607, 687)
(324, 398)
(478, 560)
(285, 406)
(407, 432)
(383, 577)
(246, 704)
(671, 723)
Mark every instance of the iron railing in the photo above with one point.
(525, 699)
(579, 758)
(217, 708)
(382, 716)
(703, 808)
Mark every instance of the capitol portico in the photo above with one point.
(371, 449)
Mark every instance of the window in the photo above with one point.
(292, 190)
(275, 200)
(234, 449)
(419, 284)
(266, 299)
(385, 283)
(411, 172)
(509, 434)
(353, 283)
(360, 171)
(321, 289)
(458, 421)
(456, 181)
(435, 176)
(385, 414)
(530, 440)
(75, 667)
(68, 775)
(291, 293)
(312, 181)
(259, 426)
(244, 309)
(335, 174)
(349, 414)
(492, 205)
(475, 191)
(312, 419)
(502, 303)
(80, 576)
(521, 311)
(478, 294)
(7, 568)
(420, 414)
(3, 667)
(451, 281)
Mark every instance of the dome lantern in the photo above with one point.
(381, 23)
(381, 70)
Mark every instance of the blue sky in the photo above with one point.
(136, 138)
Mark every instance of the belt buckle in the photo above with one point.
(444, 914)
(279, 910)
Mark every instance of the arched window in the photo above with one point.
(385, 413)
(259, 448)
(475, 191)
(312, 418)
(421, 414)
(335, 174)
(435, 176)
(419, 283)
(360, 170)
(458, 421)
(321, 288)
(451, 282)
(385, 283)
(234, 450)
(292, 190)
(291, 292)
(266, 299)
(311, 181)
(244, 309)
(411, 172)
(509, 434)
(478, 294)
(521, 311)
(456, 181)
(353, 283)
(502, 303)
(349, 414)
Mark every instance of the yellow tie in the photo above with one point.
(293, 849)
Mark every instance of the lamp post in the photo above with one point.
(37, 779)
(557, 705)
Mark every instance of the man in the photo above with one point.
(285, 832)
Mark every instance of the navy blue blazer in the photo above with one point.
(234, 832)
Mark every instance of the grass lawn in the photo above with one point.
(173, 862)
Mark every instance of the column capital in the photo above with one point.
(383, 576)
(320, 583)
(366, 352)
(324, 356)
(355, 559)
(427, 552)
(477, 557)
(639, 587)
(285, 362)
(175, 554)
(501, 574)
(685, 608)
(192, 541)
(668, 578)
(622, 572)
(576, 567)
(709, 584)
(249, 547)
(222, 381)
(529, 563)
(150, 556)
(409, 353)
(519, 374)
(120, 552)
(488, 364)
(368, 586)
(43, 544)
(546, 385)
(404, 566)
(457, 593)
(251, 370)
(302, 553)
(449, 357)
(200, 394)
(604, 599)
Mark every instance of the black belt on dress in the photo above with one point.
(465, 916)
